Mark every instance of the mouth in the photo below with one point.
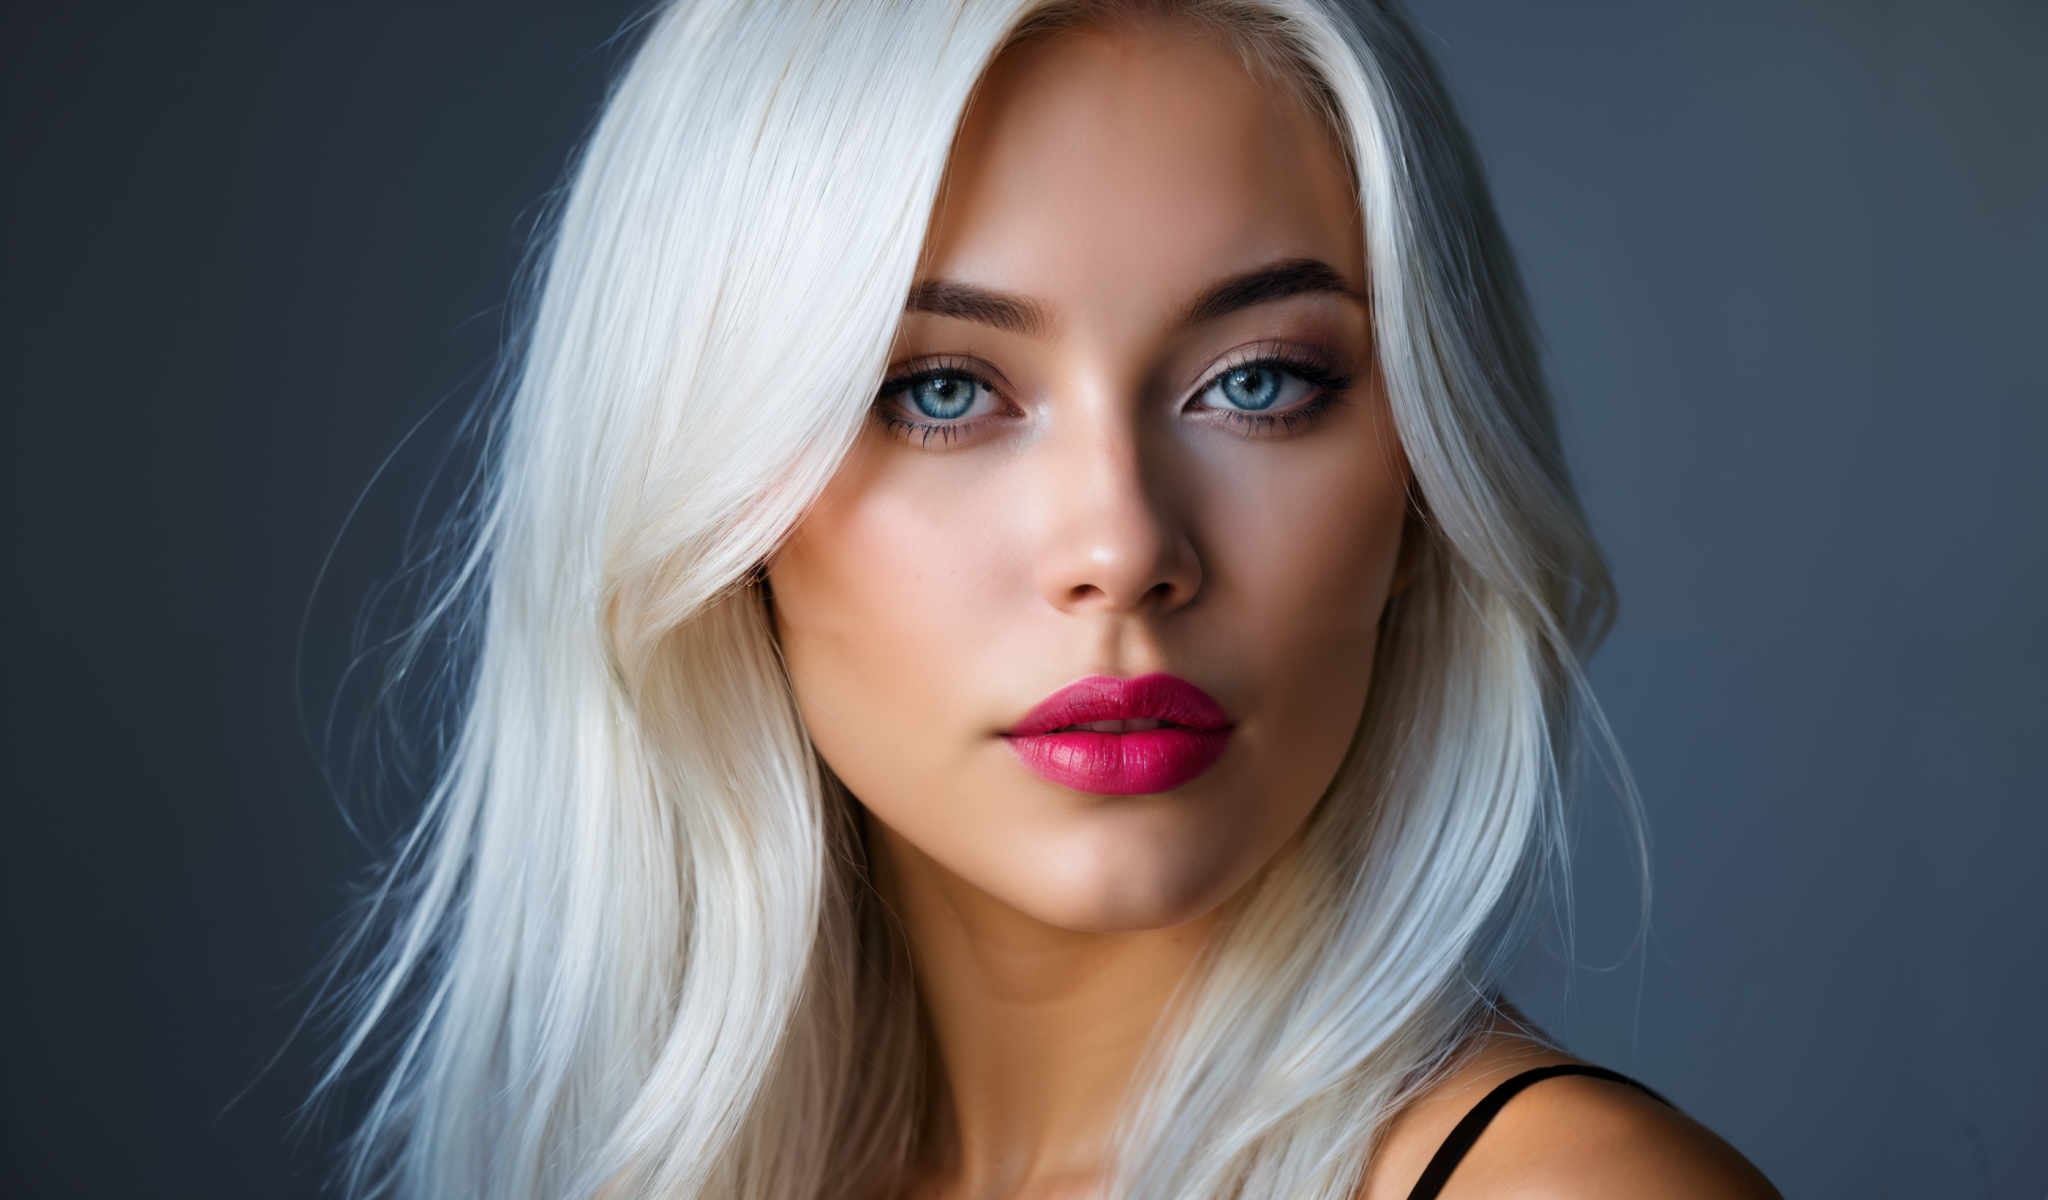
(1131, 726)
(1122, 737)
(1107, 704)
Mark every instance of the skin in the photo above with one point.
(1094, 514)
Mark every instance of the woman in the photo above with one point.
(1026, 623)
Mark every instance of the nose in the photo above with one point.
(1115, 540)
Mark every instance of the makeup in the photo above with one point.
(1122, 737)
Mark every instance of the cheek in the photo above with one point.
(1306, 542)
(1312, 575)
(1303, 557)
(881, 595)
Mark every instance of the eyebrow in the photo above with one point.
(1021, 314)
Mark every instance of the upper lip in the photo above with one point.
(1158, 697)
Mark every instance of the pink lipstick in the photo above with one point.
(1122, 737)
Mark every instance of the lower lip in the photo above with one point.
(1121, 764)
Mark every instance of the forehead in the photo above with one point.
(1113, 170)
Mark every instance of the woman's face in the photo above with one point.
(1109, 460)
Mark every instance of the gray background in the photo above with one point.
(1785, 256)
(1788, 260)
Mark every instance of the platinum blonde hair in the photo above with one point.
(629, 949)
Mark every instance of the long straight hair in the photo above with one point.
(629, 948)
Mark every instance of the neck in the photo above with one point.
(1037, 1031)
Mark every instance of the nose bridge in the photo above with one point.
(1115, 536)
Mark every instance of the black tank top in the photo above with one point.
(1468, 1130)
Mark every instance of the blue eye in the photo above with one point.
(942, 395)
(1283, 389)
(930, 403)
(1255, 386)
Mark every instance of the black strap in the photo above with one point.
(1438, 1172)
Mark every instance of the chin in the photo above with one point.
(1117, 882)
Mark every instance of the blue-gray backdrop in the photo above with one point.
(1788, 261)
(1786, 255)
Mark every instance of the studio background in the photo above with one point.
(1787, 258)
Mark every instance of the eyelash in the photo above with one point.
(1331, 386)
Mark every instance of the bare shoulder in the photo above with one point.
(1568, 1137)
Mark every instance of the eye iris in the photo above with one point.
(1251, 387)
(942, 395)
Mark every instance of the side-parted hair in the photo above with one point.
(630, 948)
